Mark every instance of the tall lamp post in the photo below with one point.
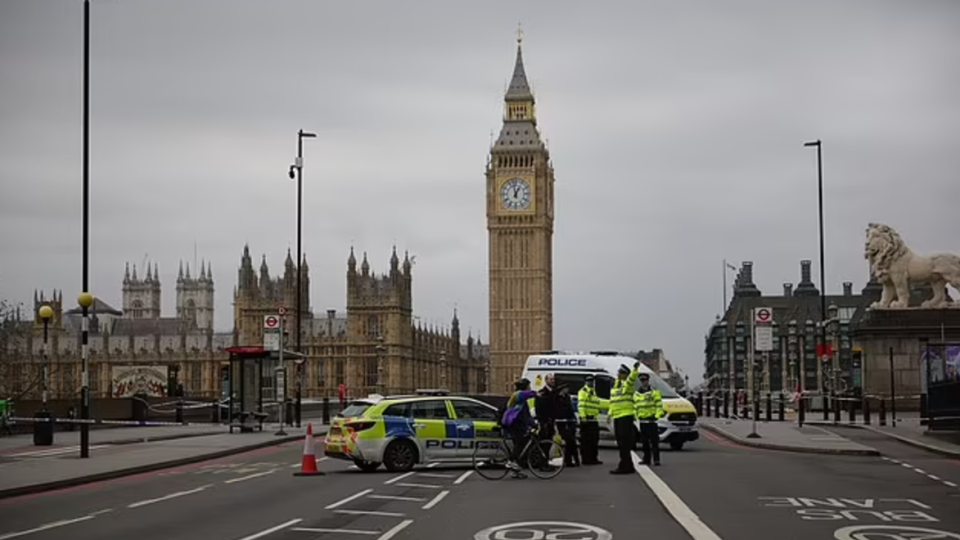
(296, 170)
(45, 313)
(85, 299)
(823, 291)
(443, 371)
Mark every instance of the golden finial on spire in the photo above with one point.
(519, 33)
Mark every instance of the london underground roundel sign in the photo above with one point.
(763, 315)
(271, 321)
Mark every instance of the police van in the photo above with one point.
(679, 423)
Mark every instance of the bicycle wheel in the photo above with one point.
(545, 460)
(491, 463)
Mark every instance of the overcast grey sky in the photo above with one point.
(676, 130)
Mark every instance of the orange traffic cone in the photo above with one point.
(308, 465)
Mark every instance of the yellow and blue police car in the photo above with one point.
(401, 432)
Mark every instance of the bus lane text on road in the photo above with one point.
(885, 510)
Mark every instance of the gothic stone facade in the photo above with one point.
(520, 195)
(340, 349)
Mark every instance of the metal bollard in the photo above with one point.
(853, 411)
(179, 412)
(726, 405)
(716, 406)
(801, 411)
(826, 407)
(883, 412)
(326, 411)
(836, 409)
(769, 407)
(866, 411)
(699, 403)
(780, 408)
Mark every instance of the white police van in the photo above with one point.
(679, 423)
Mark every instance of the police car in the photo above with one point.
(401, 432)
(677, 427)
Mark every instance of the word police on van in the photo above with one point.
(564, 362)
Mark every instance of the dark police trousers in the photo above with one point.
(589, 441)
(623, 430)
(650, 439)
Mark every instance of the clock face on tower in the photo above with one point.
(515, 194)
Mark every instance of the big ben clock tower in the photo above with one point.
(520, 226)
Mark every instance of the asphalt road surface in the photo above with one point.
(712, 490)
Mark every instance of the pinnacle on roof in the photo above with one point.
(519, 89)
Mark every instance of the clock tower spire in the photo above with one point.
(520, 194)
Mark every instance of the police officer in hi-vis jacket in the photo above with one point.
(588, 408)
(623, 413)
(649, 404)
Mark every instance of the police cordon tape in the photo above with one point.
(97, 421)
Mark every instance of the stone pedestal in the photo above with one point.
(907, 332)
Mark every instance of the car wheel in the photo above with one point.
(367, 466)
(676, 445)
(400, 456)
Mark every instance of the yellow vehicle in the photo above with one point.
(402, 432)
(679, 423)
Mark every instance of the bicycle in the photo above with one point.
(543, 458)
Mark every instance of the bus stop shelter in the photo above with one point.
(250, 386)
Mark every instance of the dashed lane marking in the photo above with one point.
(436, 500)
(168, 497)
(269, 531)
(398, 478)
(425, 486)
(249, 477)
(395, 530)
(682, 514)
(370, 513)
(436, 475)
(46, 527)
(918, 470)
(342, 502)
(461, 478)
(396, 498)
(334, 531)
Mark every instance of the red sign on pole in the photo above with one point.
(342, 390)
(824, 349)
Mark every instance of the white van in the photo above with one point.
(677, 427)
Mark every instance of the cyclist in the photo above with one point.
(517, 422)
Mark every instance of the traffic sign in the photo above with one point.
(282, 310)
(271, 341)
(763, 315)
(271, 322)
(763, 338)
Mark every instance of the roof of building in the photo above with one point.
(99, 307)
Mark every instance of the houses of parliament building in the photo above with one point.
(378, 335)
(138, 342)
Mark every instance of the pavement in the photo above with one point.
(786, 436)
(117, 453)
(714, 489)
(22, 445)
(907, 431)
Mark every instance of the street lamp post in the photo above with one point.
(45, 313)
(823, 291)
(380, 351)
(298, 166)
(443, 371)
(85, 299)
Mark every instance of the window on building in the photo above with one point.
(322, 373)
(846, 313)
(370, 372)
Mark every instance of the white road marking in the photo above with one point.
(249, 477)
(396, 498)
(463, 477)
(427, 486)
(682, 514)
(298, 465)
(342, 502)
(99, 512)
(436, 475)
(269, 531)
(334, 531)
(369, 513)
(396, 529)
(401, 477)
(436, 500)
(168, 497)
(55, 451)
(46, 527)
(432, 465)
(921, 471)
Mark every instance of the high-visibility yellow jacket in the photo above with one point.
(588, 403)
(649, 404)
(621, 396)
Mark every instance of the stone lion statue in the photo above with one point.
(896, 267)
